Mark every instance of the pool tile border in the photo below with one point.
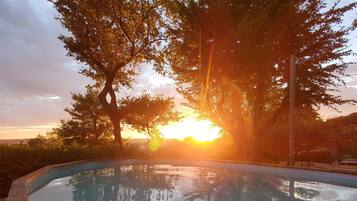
(18, 191)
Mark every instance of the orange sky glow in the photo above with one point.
(191, 125)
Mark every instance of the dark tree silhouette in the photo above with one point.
(231, 59)
(87, 111)
(146, 112)
(72, 132)
(111, 38)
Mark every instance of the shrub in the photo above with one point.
(18, 160)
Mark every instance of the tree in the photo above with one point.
(87, 110)
(146, 112)
(88, 123)
(44, 141)
(111, 38)
(72, 132)
(231, 59)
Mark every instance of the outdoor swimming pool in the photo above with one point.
(194, 180)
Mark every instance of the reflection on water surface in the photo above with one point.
(167, 182)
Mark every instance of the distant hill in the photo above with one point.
(14, 141)
(344, 120)
(130, 141)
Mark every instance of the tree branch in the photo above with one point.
(120, 23)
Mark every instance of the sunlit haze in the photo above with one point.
(191, 126)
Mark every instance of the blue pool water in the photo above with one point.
(145, 181)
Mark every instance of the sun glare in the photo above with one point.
(191, 126)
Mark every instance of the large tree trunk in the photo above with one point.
(111, 107)
(259, 103)
(117, 132)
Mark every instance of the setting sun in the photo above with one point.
(191, 126)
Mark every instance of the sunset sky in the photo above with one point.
(36, 76)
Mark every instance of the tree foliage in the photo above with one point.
(146, 112)
(86, 109)
(72, 132)
(88, 124)
(111, 38)
(231, 59)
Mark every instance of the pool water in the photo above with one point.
(145, 182)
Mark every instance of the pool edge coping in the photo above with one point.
(18, 191)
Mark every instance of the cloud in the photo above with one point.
(36, 76)
(147, 80)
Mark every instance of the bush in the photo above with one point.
(18, 160)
